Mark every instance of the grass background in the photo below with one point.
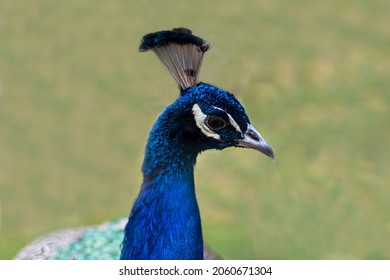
(77, 101)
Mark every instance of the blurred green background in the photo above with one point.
(77, 101)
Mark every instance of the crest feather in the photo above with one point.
(180, 52)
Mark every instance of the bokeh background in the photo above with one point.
(77, 101)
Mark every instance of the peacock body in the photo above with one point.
(164, 222)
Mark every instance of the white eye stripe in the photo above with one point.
(234, 123)
(231, 120)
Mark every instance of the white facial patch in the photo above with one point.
(200, 118)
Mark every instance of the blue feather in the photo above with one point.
(165, 222)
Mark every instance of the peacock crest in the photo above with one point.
(180, 52)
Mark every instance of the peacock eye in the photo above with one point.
(215, 123)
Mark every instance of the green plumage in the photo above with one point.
(98, 243)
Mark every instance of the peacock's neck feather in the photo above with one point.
(165, 221)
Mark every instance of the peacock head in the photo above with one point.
(204, 116)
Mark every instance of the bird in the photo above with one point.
(164, 222)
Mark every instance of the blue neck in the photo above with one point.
(165, 221)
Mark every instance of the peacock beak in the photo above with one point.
(253, 140)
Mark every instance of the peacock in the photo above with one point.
(164, 222)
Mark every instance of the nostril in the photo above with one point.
(253, 135)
